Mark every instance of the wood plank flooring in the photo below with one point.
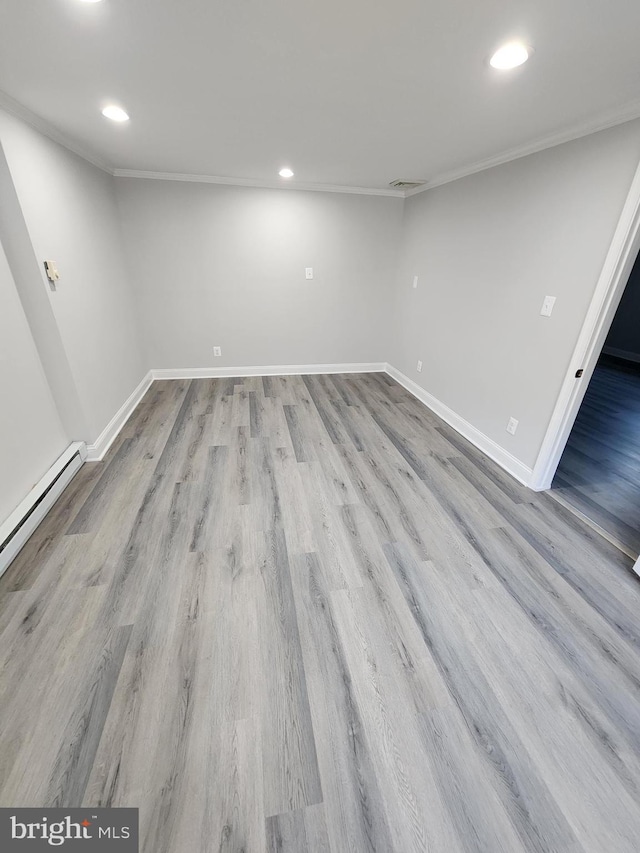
(302, 614)
(599, 473)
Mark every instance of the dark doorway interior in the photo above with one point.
(599, 473)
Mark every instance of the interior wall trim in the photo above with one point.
(47, 129)
(34, 507)
(251, 182)
(629, 112)
(268, 370)
(611, 118)
(487, 445)
(506, 460)
(97, 450)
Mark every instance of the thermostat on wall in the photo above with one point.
(52, 273)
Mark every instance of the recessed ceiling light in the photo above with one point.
(285, 173)
(510, 56)
(113, 112)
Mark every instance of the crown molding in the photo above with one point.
(40, 124)
(627, 113)
(250, 182)
(615, 117)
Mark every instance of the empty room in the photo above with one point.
(304, 532)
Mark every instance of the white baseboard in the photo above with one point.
(622, 353)
(15, 531)
(270, 370)
(97, 450)
(487, 445)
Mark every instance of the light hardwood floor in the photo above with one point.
(599, 473)
(302, 614)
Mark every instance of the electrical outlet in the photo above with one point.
(217, 351)
(512, 426)
(415, 282)
(419, 367)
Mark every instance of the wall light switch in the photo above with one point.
(308, 272)
(512, 426)
(415, 282)
(547, 306)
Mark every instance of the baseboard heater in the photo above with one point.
(15, 531)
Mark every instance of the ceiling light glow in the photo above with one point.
(286, 172)
(91, 1)
(113, 112)
(510, 56)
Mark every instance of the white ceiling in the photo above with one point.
(347, 92)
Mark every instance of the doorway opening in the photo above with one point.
(599, 471)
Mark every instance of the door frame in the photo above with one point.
(613, 279)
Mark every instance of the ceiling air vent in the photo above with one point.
(406, 185)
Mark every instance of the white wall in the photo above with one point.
(487, 249)
(31, 434)
(70, 211)
(27, 276)
(207, 265)
(218, 265)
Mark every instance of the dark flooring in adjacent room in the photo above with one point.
(302, 614)
(599, 473)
